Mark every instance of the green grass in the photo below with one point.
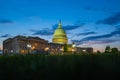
(46, 67)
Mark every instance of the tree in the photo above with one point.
(98, 52)
(107, 49)
(114, 50)
(65, 48)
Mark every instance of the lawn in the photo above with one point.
(58, 67)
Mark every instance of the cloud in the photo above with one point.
(117, 32)
(107, 10)
(117, 27)
(5, 21)
(5, 35)
(102, 41)
(86, 30)
(112, 20)
(71, 27)
(87, 33)
(96, 38)
(68, 27)
(45, 32)
(106, 41)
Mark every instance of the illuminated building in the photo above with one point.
(24, 45)
(55, 48)
(60, 35)
(84, 50)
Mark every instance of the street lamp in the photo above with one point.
(29, 48)
(73, 47)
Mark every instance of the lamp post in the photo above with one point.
(29, 48)
(73, 47)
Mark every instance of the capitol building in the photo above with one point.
(32, 45)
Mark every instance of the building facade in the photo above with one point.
(23, 45)
(55, 48)
(26, 45)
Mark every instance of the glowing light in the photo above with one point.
(47, 48)
(36, 44)
(61, 49)
(11, 51)
(22, 51)
(28, 45)
(84, 50)
(95, 50)
(33, 48)
(73, 45)
(73, 50)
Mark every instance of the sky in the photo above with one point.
(88, 23)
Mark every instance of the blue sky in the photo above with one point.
(89, 23)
